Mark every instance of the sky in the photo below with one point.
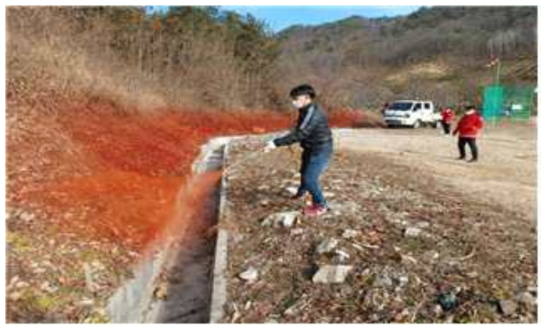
(281, 17)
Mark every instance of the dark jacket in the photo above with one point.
(312, 129)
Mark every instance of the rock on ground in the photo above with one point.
(326, 246)
(285, 219)
(507, 307)
(332, 274)
(250, 275)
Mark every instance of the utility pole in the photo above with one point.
(497, 76)
(497, 85)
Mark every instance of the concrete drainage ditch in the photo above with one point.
(193, 266)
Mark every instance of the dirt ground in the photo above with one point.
(434, 239)
(506, 175)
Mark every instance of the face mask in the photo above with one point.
(296, 104)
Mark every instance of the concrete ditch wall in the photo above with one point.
(191, 297)
(219, 283)
(201, 297)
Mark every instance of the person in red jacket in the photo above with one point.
(447, 116)
(468, 129)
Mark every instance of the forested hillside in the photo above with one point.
(192, 56)
(438, 53)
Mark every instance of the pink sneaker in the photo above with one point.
(314, 210)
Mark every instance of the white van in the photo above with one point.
(411, 113)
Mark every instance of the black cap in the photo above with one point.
(304, 89)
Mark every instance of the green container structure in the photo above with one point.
(520, 101)
(493, 102)
(508, 102)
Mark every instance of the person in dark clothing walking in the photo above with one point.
(468, 129)
(313, 133)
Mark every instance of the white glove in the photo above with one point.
(270, 147)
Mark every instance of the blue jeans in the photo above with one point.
(314, 163)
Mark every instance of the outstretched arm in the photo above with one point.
(299, 133)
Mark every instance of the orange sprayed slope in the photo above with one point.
(141, 162)
(126, 207)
